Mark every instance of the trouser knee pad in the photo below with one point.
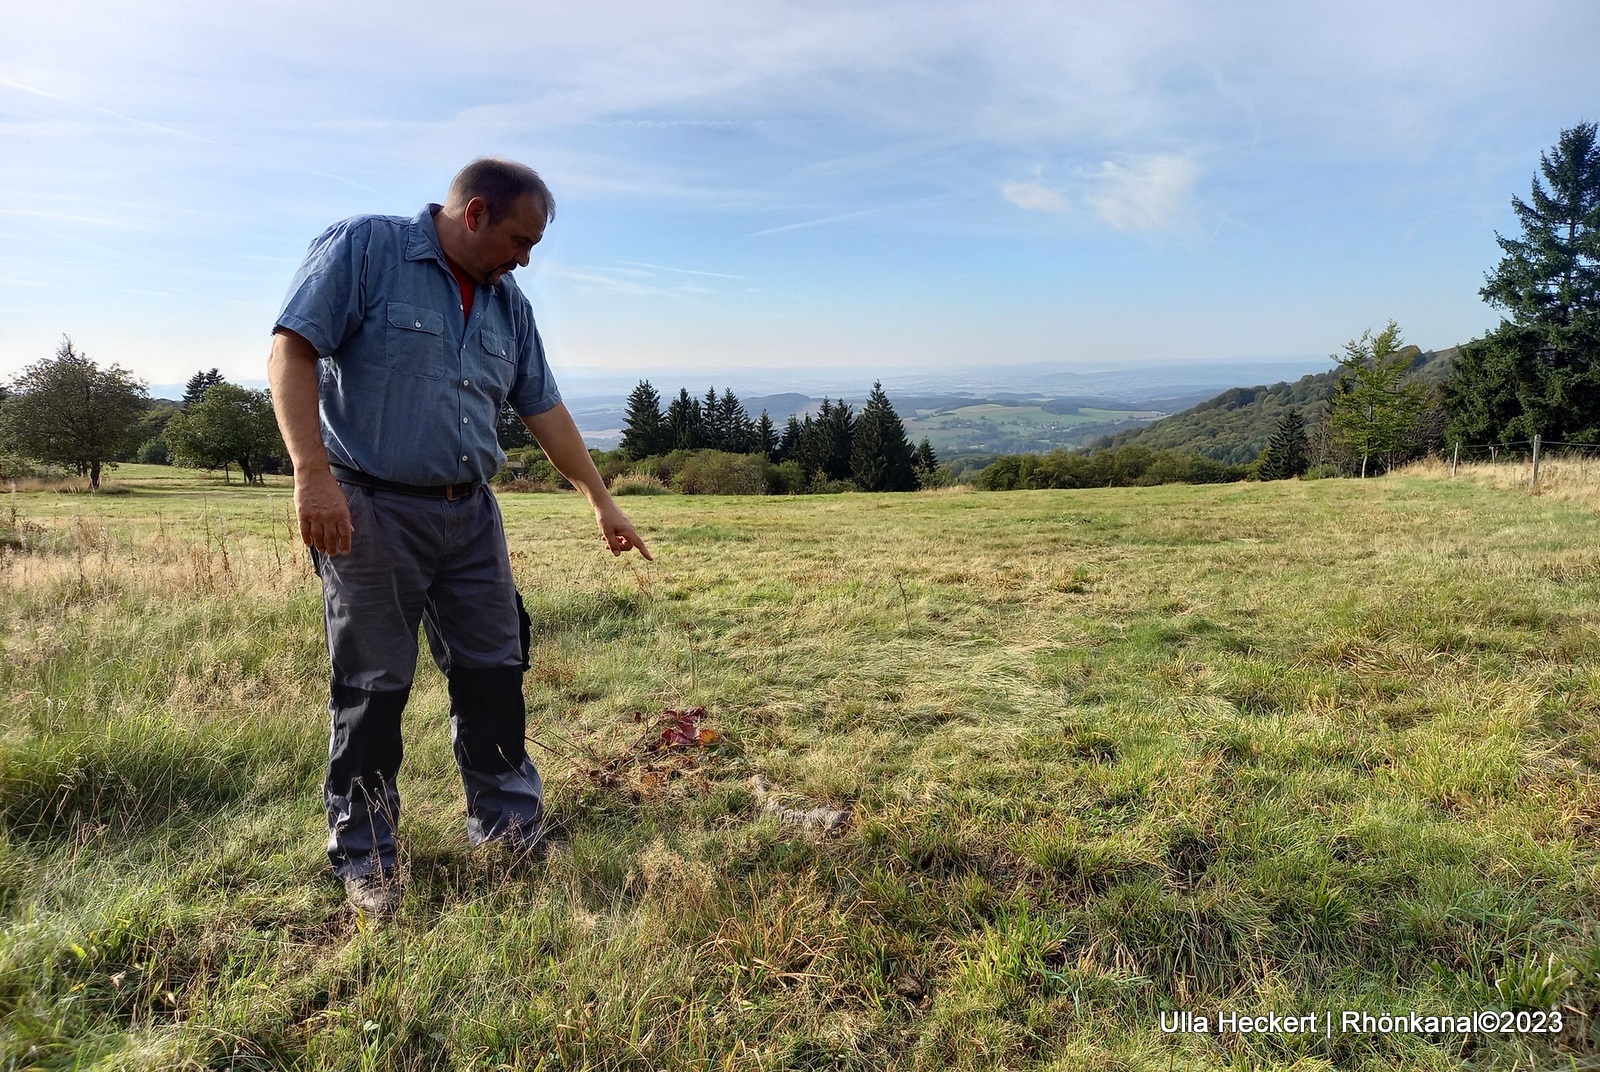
(365, 745)
(488, 718)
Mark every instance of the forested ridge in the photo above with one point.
(1234, 427)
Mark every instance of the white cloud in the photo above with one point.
(1036, 197)
(1146, 194)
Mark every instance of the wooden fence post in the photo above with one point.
(1455, 458)
(1535, 478)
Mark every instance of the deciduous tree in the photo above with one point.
(1374, 409)
(230, 425)
(67, 410)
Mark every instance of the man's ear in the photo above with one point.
(476, 214)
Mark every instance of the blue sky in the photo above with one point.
(872, 187)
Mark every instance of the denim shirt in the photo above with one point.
(409, 389)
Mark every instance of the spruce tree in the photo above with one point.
(789, 445)
(684, 423)
(196, 388)
(713, 433)
(1287, 454)
(880, 457)
(811, 449)
(925, 463)
(766, 437)
(838, 431)
(738, 433)
(1538, 373)
(643, 431)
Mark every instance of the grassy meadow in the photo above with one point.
(1293, 747)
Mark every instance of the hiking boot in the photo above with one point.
(375, 894)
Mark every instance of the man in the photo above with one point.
(395, 349)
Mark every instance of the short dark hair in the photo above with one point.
(500, 183)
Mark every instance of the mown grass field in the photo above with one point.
(1295, 748)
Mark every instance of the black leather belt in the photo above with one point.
(426, 491)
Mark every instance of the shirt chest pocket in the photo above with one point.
(498, 363)
(499, 346)
(413, 343)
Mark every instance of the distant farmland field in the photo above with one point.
(1294, 748)
(1019, 428)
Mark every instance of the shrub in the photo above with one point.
(154, 452)
(716, 472)
(638, 484)
(786, 478)
(1131, 466)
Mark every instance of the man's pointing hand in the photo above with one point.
(619, 532)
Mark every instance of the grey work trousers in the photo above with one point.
(442, 564)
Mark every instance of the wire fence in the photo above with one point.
(1540, 458)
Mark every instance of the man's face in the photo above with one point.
(504, 245)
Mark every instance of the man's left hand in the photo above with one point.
(619, 532)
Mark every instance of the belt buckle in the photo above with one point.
(449, 493)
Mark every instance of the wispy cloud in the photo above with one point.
(1145, 195)
(1036, 197)
(174, 132)
(685, 271)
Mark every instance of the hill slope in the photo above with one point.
(1234, 426)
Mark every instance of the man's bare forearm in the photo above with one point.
(324, 514)
(563, 444)
(292, 373)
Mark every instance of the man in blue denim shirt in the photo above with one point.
(397, 346)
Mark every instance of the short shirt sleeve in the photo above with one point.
(327, 298)
(535, 388)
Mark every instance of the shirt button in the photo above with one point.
(502, 353)
(466, 383)
(419, 323)
(466, 420)
(463, 457)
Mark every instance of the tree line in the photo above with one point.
(68, 411)
(1536, 374)
(829, 450)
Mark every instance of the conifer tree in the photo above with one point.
(683, 422)
(925, 463)
(880, 457)
(195, 389)
(789, 445)
(737, 431)
(765, 436)
(1539, 371)
(1287, 453)
(643, 430)
(712, 434)
(811, 449)
(1374, 410)
(838, 427)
